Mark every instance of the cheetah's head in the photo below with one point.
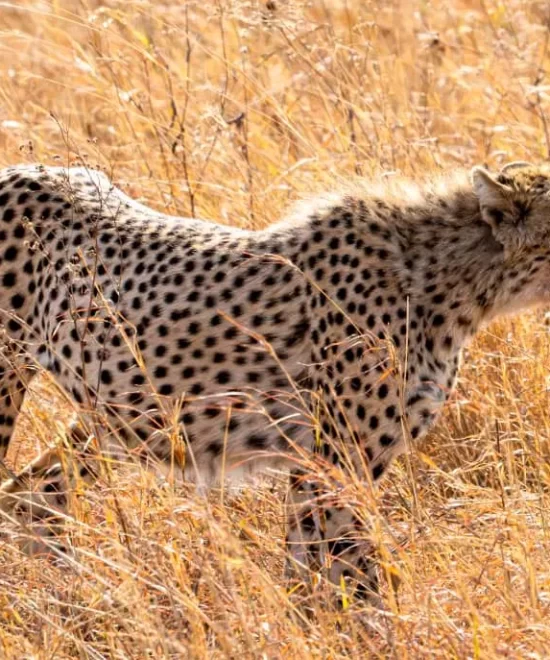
(516, 204)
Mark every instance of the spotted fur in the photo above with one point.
(214, 352)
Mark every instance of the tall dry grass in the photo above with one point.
(231, 109)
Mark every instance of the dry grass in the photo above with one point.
(230, 109)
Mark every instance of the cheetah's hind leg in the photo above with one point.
(36, 500)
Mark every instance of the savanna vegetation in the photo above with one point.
(231, 110)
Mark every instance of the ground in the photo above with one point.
(231, 115)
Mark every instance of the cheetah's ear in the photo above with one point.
(494, 197)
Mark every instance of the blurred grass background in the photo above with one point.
(230, 110)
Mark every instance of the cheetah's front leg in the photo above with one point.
(324, 536)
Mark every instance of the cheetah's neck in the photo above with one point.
(460, 277)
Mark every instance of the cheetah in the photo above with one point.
(214, 352)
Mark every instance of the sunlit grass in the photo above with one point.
(232, 110)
